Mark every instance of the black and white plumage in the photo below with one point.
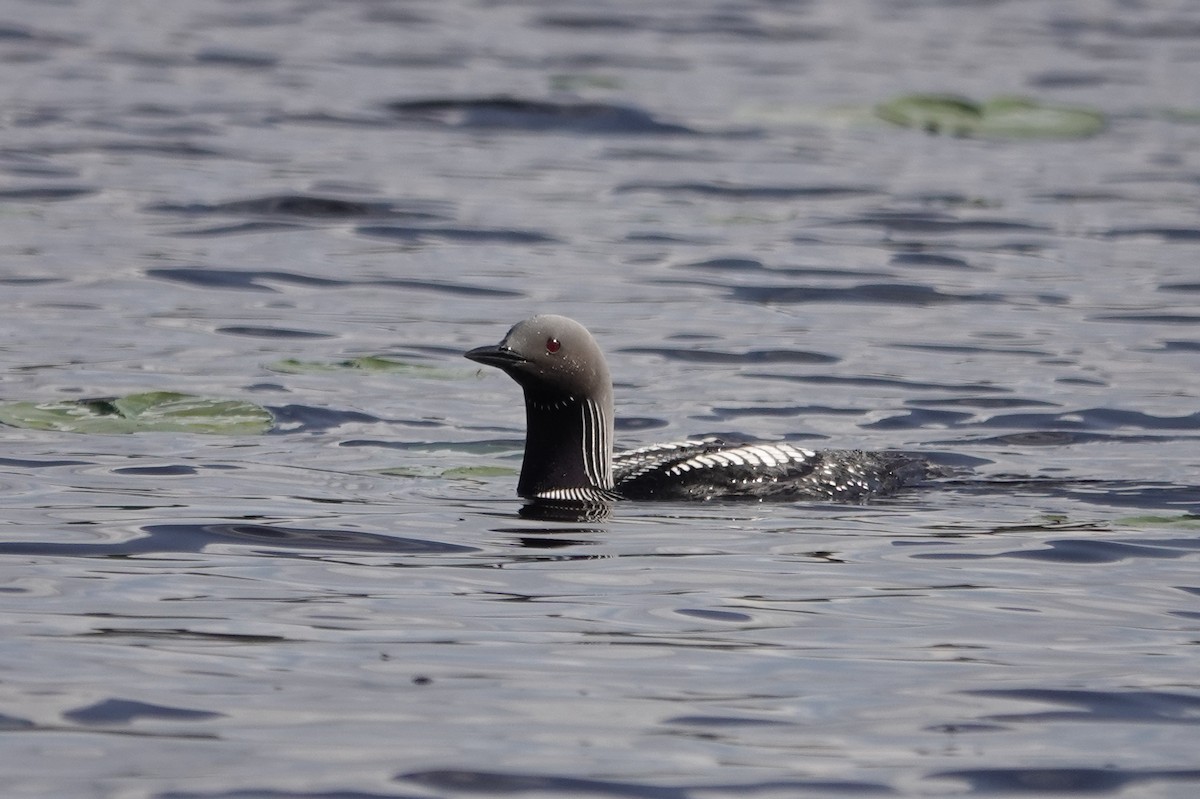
(569, 439)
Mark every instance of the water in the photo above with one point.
(192, 193)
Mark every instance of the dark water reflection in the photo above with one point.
(254, 201)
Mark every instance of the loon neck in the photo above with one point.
(568, 445)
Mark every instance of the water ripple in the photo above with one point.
(44, 193)
(1116, 706)
(1168, 234)
(1041, 781)
(729, 22)
(738, 265)
(308, 206)
(260, 280)
(510, 782)
(872, 293)
(541, 116)
(1081, 551)
(748, 192)
(936, 222)
(468, 235)
(124, 711)
(717, 356)
(259, 331)
(267, 793)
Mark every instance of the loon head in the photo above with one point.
(568, 406)
(552, 356)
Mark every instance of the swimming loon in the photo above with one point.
(569, 434)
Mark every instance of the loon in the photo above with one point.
(569, 439)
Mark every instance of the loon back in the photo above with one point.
(709, 468)
(569, 432)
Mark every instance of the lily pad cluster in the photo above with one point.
(1001, 117)
(155, 411)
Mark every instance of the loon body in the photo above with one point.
(569, 433)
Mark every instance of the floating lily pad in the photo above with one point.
(453, 473)
(478, 472)
(365, 363)
(573, 82)
(1187, 521)
(156, 411)
(1001, 117)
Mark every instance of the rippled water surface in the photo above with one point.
(244, 200)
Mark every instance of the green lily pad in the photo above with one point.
(573, 82)
(1000, 117)
(935, 113)
(155, 411)
(453, 473)
(1187, 521)
(478, 472)
(364, 363)
(407, 471)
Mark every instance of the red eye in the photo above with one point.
(553, 345)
